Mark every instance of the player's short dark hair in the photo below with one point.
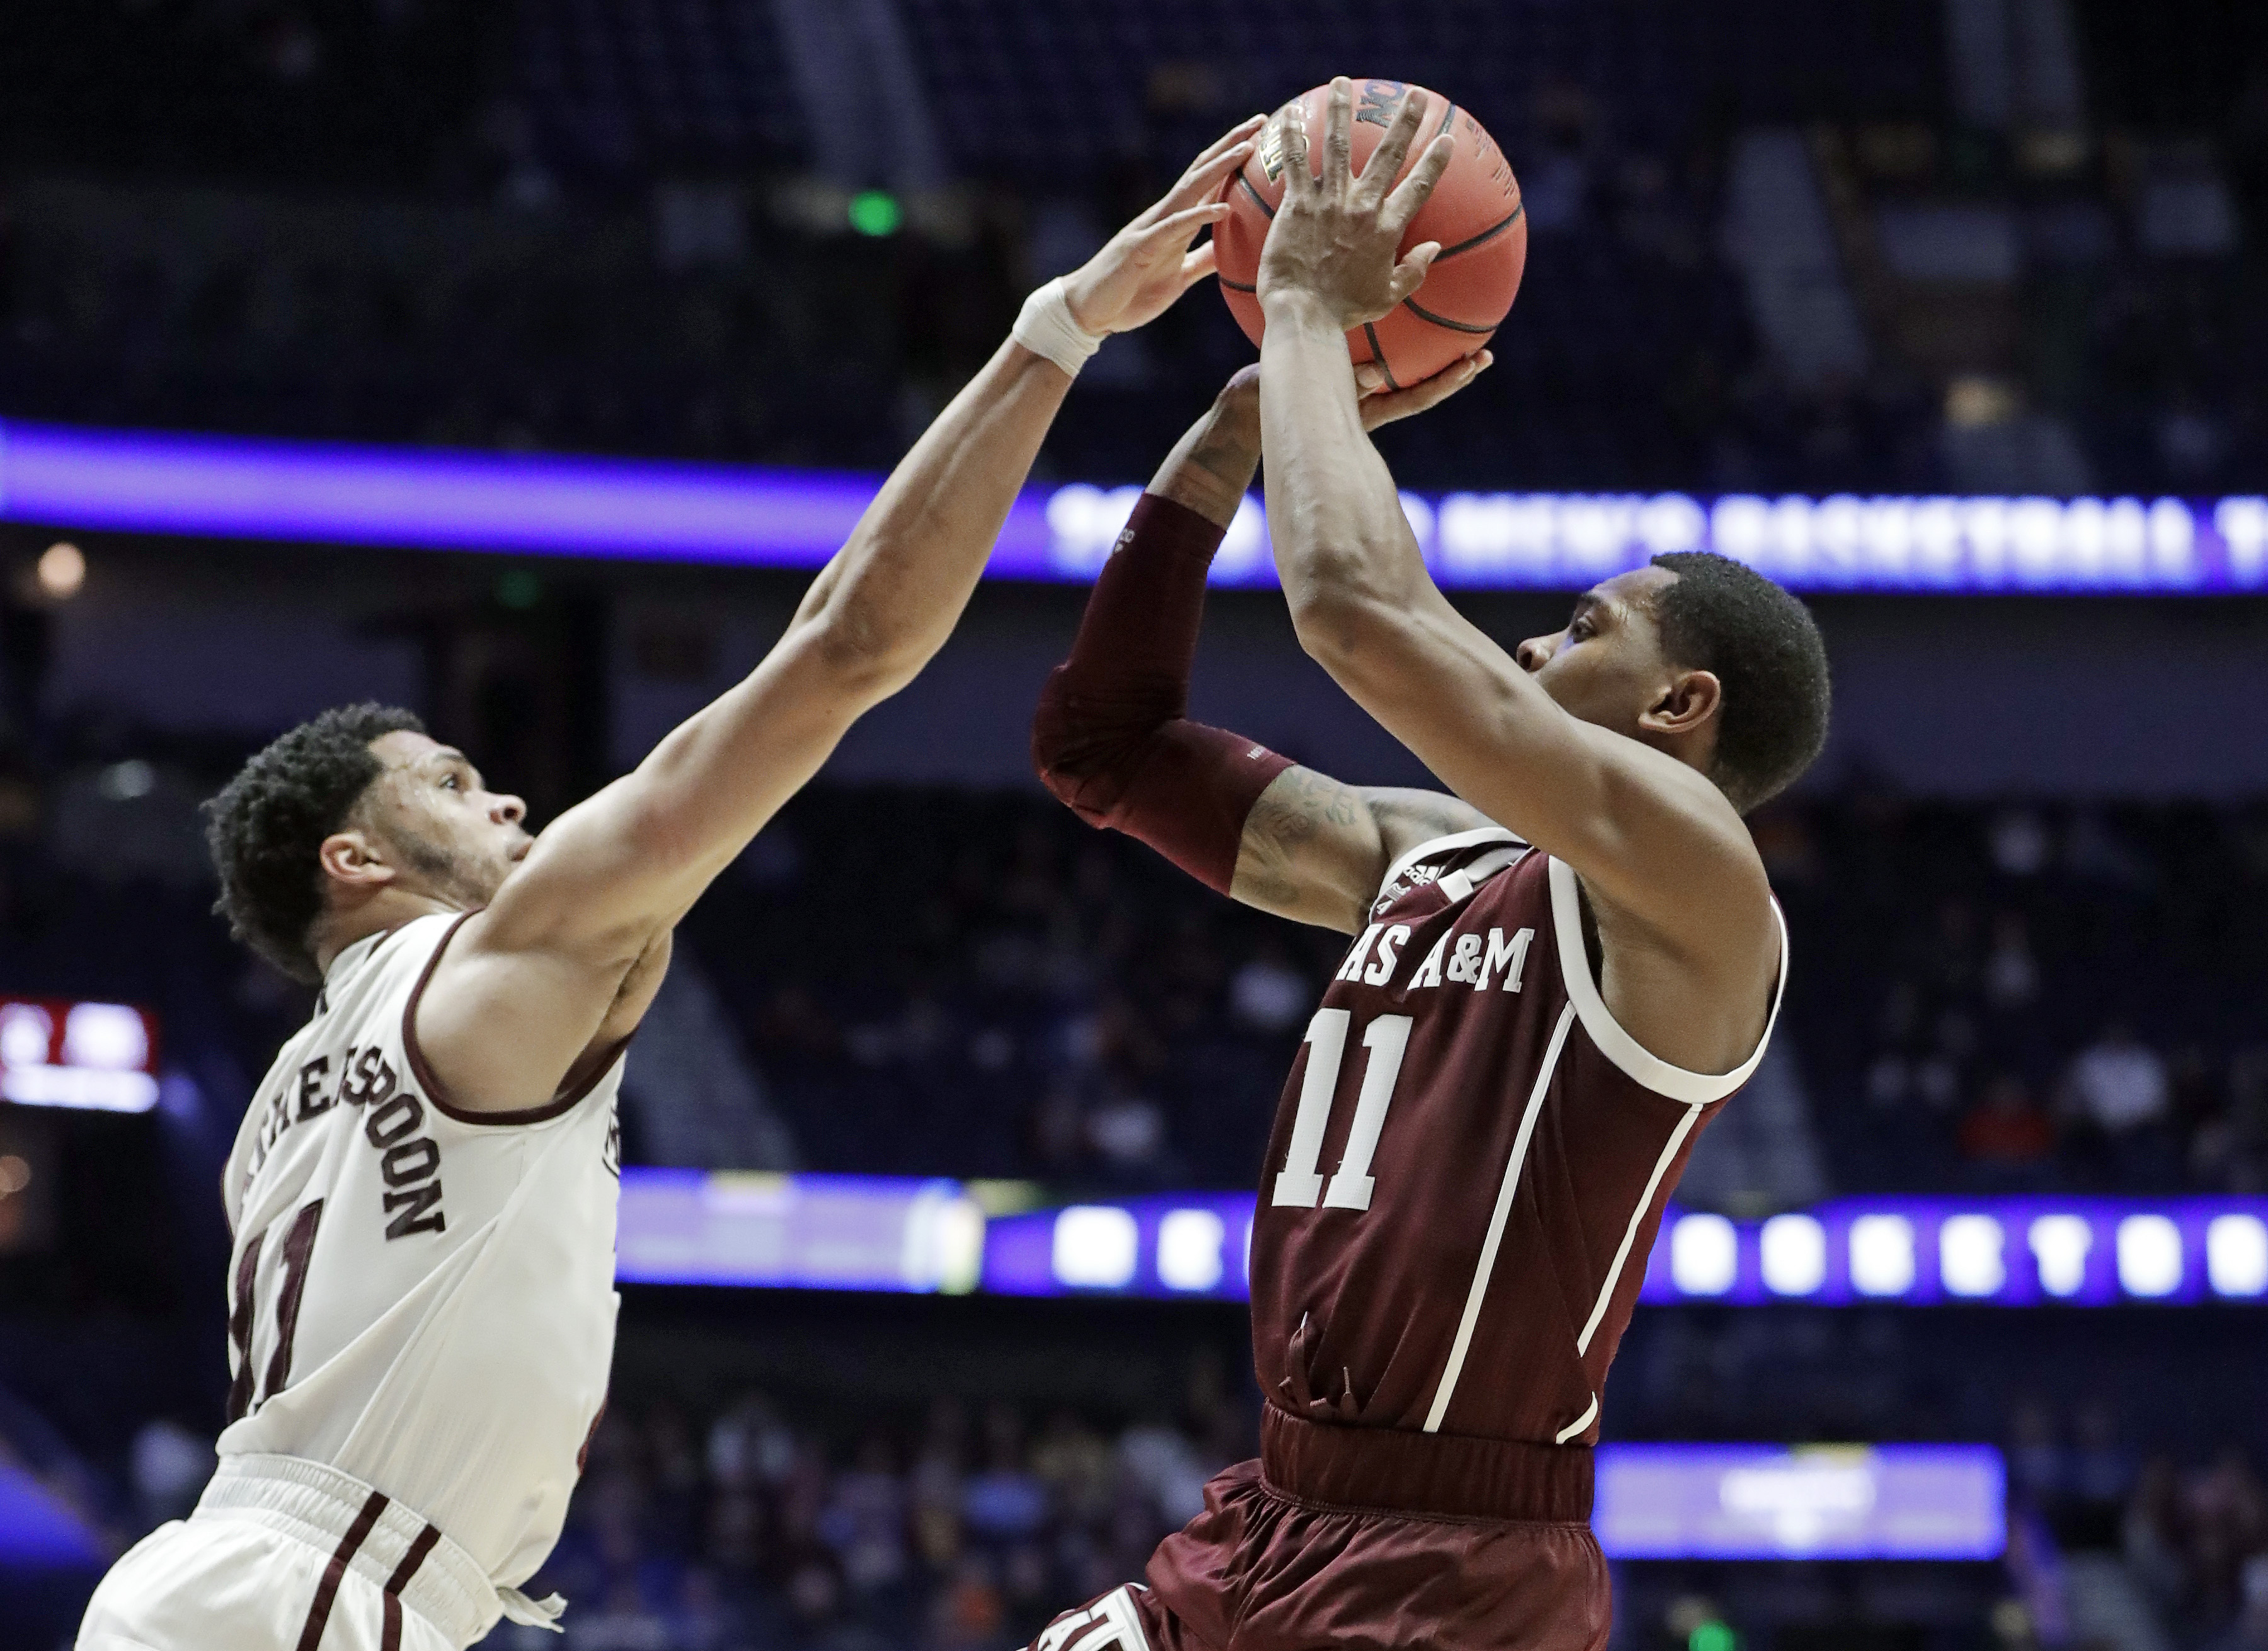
(267, 825)
(1725, 617)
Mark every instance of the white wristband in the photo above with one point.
(1045, 327)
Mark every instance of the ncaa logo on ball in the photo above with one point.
(1379, 98)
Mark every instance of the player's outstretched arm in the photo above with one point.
(1110, 738)
(524, 988)
(1651, 837)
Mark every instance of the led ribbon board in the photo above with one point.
(235, 488)
(1998, 1252)
(798, 1232)
(1680, 1501)
(885, 1233)
(85, 1056)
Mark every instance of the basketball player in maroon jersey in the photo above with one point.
(1560, 972)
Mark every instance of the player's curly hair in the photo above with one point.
(267, 825)
(1725, 617)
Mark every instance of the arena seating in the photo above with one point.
(718, 1513)
(623, 226)
(633, 89)
(926, 981)
(1960, 965)
(538, 214)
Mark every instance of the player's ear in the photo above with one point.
(355, 859)
(1687, 703)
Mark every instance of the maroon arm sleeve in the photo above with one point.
(1109, 738)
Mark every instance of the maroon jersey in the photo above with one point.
(1469, 1163)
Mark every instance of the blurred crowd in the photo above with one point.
(2191, 1530)
(1052, 1003)
(713, 1516)
(2028, 998)
(1992, 998)
(580, 230)
(965, 1530)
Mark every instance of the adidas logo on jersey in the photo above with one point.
(1415, 877)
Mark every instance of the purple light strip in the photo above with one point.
(879, 1232)
(1706, 1502)
(226, 487)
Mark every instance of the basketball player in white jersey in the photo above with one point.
(422, 1194)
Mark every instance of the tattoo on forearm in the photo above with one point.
(1289, 863)
(1296, 812)
(1314, 849)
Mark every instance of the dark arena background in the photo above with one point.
(518, 363)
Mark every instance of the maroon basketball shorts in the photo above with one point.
(1369, 1536)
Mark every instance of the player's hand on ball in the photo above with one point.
(1144, 266)
(1335, 237)
(1381, 405)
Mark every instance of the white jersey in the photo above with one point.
(421, 1297)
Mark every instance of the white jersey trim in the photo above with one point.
(1437, 846)
(1475, 1295)
(1638, 1216)
(1574, 1429)
(1461, 884)
(1695, 1089)
(1111, 1622)
(566, 1100)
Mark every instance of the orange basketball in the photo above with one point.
(1474, 213)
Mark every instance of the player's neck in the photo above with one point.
(376, 913)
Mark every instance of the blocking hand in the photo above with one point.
(1145, 266)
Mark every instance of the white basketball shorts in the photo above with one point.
(287, 1555)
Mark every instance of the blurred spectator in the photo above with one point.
(1164, 1463)
(1006, 1500)
(2006, 1134)
(2118, 1090)
(2038, 1469)
(622, 1622)
(2012, 976)
(1267, 994)
(170, 1467)
(865, 1521)
(705, 1619)
(968, 1612)
(2118, 1083)
(2020, 842)
(2151, 1535)
(1128, 1133)
(2101, 1479)
(814, 1599)
(893, 1548)
(2250, 1630)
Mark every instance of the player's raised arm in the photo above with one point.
(1110, 739)
(532, 977)
(1650, 833)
